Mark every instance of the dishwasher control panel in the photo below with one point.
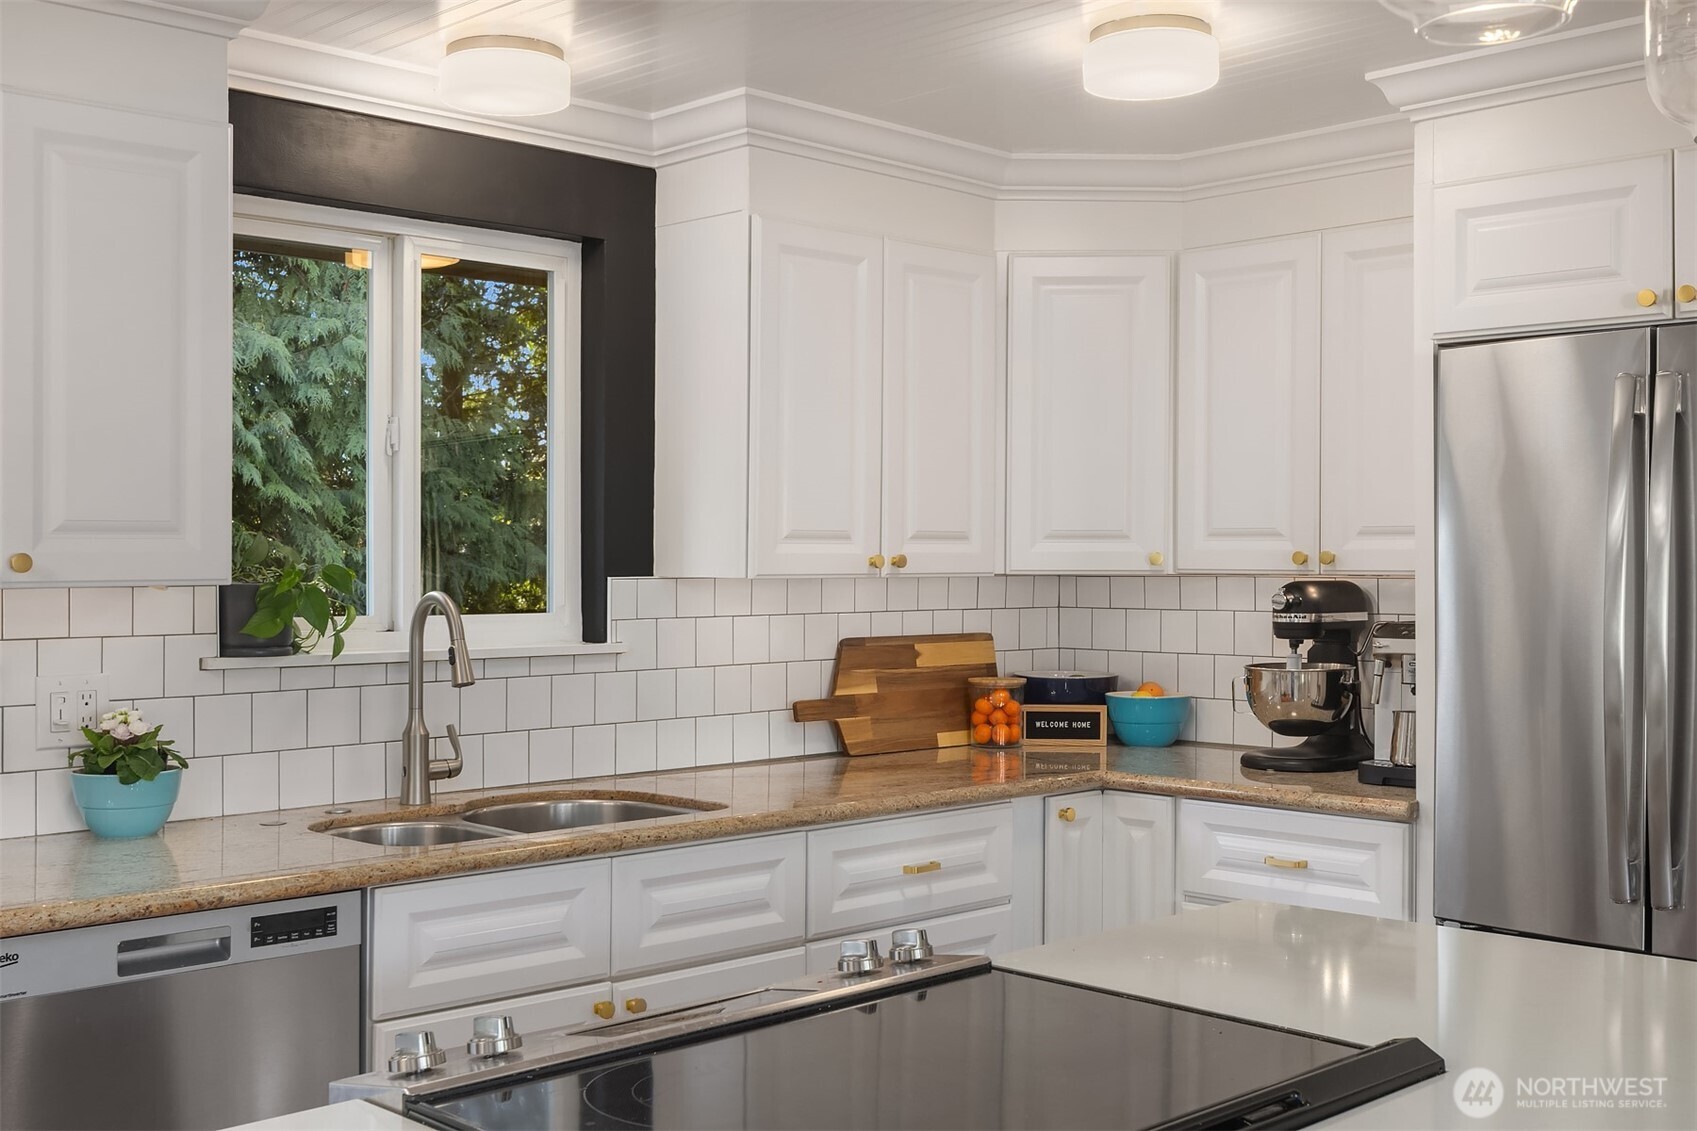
(292, 926)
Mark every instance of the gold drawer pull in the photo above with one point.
(1068, 814)
(604, 1010)
(920, 869)
(1280, 862)
(636, 1005)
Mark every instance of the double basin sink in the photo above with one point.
(511, 818)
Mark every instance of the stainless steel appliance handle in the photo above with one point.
(1623, 752)
(175, 951)
(1669, 640)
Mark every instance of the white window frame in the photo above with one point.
(394, 393)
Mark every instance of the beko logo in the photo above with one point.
(8, 959)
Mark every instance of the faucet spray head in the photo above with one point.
(459, 662)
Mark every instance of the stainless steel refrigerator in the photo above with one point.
(1566, 689)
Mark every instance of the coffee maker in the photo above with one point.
(1316, 698)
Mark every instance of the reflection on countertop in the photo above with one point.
(75, 879)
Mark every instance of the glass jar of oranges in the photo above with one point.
(995, 707)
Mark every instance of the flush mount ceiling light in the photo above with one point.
(508, 76)
(1143, 58)
(1481, 23)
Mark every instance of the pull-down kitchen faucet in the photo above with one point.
(418, 769)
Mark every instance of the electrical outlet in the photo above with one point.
(64, 704)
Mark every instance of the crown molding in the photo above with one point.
(753, 119)
(1604, 55)
(223, 18)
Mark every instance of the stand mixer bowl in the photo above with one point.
(1299, 702)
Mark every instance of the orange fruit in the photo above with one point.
(1011, 709)
(1000, 735)
(1150, 689)
(1013, 733)
(982, 707)
(980, 733)
(979, 718)
(998, 717)
(999, 696)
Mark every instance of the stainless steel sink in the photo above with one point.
(414, 834)
(578, 813)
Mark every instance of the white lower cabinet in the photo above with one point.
(1228, 852)
(1072, 866)
(907, 869)
(1107, 862)
(989, 930)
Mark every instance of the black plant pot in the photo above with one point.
(236, 604)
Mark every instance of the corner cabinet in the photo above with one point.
(115, 286)
(1089, 403)
(1107, 862)
(853, 428)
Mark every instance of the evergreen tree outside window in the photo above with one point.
(399, 388)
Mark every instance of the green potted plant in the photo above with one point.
(126, 783)
(274, 593)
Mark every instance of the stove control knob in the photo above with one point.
(859, 956)
(493, 1035)
(416, 1052)
(910, 945)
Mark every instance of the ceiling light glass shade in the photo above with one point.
(1670, 59)
(1142, 58)
(507, 76)
(1482, 23)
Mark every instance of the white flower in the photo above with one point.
(122, 733)
(108, 723)
(108, 716)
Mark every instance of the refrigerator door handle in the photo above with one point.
(1623, 751)
(1670, 726)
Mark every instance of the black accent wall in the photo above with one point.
(318, 155)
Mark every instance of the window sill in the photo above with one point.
(399, 656)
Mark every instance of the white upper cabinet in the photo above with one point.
(1089, 413)
(115, 365)
(1590, 244)
(1248, 393)
(1685, 232)
(815, 384)
(1369, 496)
(941, 442)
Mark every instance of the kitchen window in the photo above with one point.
(406, 404)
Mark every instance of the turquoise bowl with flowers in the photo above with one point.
(112, 809)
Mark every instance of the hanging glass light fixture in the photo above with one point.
(1481, 23)
(1670, 59)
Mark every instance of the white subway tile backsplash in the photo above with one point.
(656, 597)
(731, 690)
(34, 613)
(621, 598)
(1178, 631)
(17, 672)
(1046, 591)
(279, 719)
(714, 740)
(506, 759)
(1107, 629)
(101, 612)
(674, 744)
(963, 592)
(1125, 592)
(1075, 628)
(751, 739)
(1020, 591)
(853, 624)
(1095, 592)
(592, 751)
(870, 595)
(17, 743)
(305, 777)
(1234, 593)
(176, 716)
(164, 611)
(768, 687)
(945, 621)
(917, 623)
(182, 666)
(17, 805)
(634, 748)
(770, 595)
(202, 792)
(785, 737)
(803, 595)
(506, 667)
(714, 641)
(250, 782)
(55, 809)
(732, 597)
(223, 724)
(1069, 593)
(836, 595)
(657, 694)
(551, 754)
(615, 697)
(347, 675)
(529, 703)
(360, 774)
(483, 707)
(1196, 592)
(695, 691)
(886, 623)
(787, 638)
(695, 597)
(641, 647)
(750, 640)
(675, 642)
(1215, 631)
(804, 680)
(574, 700)
(1161, 593)
(250, 680)
(71, 656)
(332, 717)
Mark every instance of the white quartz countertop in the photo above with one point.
(1543, 1016)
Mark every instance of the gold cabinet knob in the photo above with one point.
(1300, 557)
(876, 561)
(1648, 297)
(1157, 558)
(604, 1010)
(636, 1005)
(899, 561)
(1068, 814)
(21, 563)
(1327, 557)
(1686, 293)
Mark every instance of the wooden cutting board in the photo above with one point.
(893, 693)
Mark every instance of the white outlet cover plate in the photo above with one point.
(45, 737)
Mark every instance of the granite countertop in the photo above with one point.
(50, 883)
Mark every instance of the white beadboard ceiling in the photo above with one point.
(996, 73)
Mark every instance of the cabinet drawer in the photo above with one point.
(988, 930)
(481, 937)
(531, 1014)
(907, 869)
(690, 904)
(1306, 859)
(659, 992)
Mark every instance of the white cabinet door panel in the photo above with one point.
(479, 937)
(1138, 846)
(115, 284)
(1685, 231)
(1369, 495)
(531, 1014)
(1089, 380)
(1072, 866)
(1554, 247)
(986, 931)
(906, 869)
(696, 984)
(1248, 384)
(941, 443)
(690, 904)
(815, 387)
(1304, 859)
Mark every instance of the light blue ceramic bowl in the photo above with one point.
(112, 809)
(1147, 721)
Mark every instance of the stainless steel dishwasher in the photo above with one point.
(190, 1021)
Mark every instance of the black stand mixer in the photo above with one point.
(1317, 699)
